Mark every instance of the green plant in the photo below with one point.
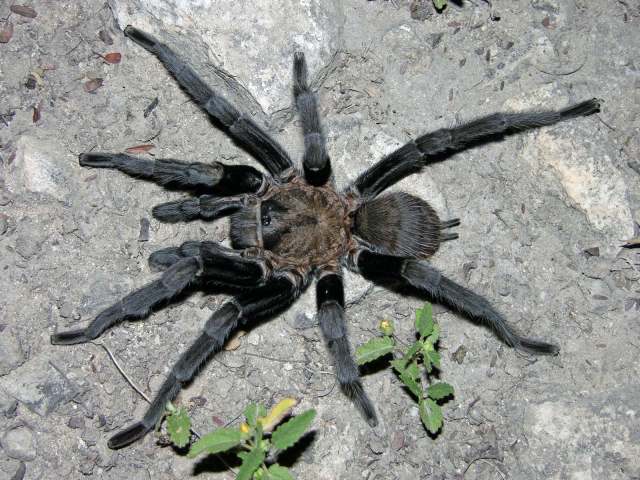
(415, 365)
(440, 4)
(263, 435)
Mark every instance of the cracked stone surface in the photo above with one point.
(544, 214)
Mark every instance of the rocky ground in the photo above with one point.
(544, 215)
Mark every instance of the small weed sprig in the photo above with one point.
(440, 4)
(415, 365)
(262, 436)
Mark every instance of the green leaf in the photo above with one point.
(251, 414)
(438, 391)
(412, 370)
(250, 463)
(179, 426)
(276, 472)
(431, 415)
(440, 4)
(433, 338)
(290, 432)
(399, 365)
(413, 349)
(434, 357)
(413, 386)
(424, 320)
(217, 441)
(374, 348)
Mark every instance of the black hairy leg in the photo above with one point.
(333, 325)
(316, 163)
(438, 145)
(387, 269)
(246, 133)
(220, 264)
(137, 304)
(248, 307)
(206, 207)
(214, 177)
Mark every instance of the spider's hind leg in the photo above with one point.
(258, 303)
(137, 304)
(386, 269)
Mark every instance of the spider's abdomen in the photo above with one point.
(302, 225)
(400, 224)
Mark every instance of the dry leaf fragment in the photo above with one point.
(140, 148)
(36, 113)
(23, 11)
(113, 57)
(92, 85)
(6, 33)
(234, 341)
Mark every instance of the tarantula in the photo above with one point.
(289, 226)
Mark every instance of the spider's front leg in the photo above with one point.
(236, 124)
(215, 177)
(316, 163)
(437, 145)
(387, 269)
(261, 302)
(330, 302)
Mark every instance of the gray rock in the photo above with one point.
(11, 353)
(40, 166)
(19, 443)
(217, 39)
(39, 386)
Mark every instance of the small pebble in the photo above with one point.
(397, 440)
(144, 230)
(459, 354)
(19, 443)
(377, 446)
(4, 224)
(76, 422)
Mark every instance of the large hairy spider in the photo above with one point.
(289, 227)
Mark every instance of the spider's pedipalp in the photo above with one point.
(399, 224)
(137, 304)
(216, 177)
(236, 124)
(206, 207)
(333, 325)
(440, 144)
(246, 307)
(316, 163)
(421, 276)
(221, 265)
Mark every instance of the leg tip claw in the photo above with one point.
(127, 436)
(71, 337)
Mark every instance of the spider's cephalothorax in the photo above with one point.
(289, 227)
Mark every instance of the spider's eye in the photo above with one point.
(266, 220)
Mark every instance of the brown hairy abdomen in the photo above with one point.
(399, 224)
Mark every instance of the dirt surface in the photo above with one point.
(544, 215)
